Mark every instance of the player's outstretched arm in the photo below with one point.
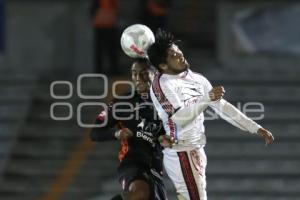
(107, 133)
(234, 116)
(185, 115)
(110, 129)
(267, 135)
(102, 134)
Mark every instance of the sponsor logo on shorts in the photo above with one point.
(198, 162)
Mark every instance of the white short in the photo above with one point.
(186, 169)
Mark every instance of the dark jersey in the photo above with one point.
(139, 115)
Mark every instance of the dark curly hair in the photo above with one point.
(146, 62)
(158, 51)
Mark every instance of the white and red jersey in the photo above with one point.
(171, 93)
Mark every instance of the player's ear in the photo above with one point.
(163, 66)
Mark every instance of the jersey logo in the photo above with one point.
(148, 126)
(190, 95)
(198, 162)
(190, 90)
(141, 124)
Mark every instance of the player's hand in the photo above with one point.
(166, 141)
(123, 133)
(216, 93)
(267, 135)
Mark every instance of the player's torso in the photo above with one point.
(190, 90)
(143, 121)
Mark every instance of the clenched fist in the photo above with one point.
(216, 93)
(166, 141)
(123, 133)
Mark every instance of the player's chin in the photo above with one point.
(184, 67)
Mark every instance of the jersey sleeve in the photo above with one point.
(234, 116)
(230, 113)
(107, 123)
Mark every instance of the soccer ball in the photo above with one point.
(136, 39)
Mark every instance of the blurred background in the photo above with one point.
(250, 47)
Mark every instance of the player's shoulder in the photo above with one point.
(200, 77)
(160, 79)
(160, 76)
(197, 74)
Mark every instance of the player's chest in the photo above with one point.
(188, 89)
(144, 119)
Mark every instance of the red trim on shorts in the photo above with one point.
(188, 176)
(162, 99)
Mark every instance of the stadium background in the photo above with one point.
(251, 47)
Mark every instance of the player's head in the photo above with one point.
(165, 55)
(142, 75)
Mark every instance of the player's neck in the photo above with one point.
(174, 73)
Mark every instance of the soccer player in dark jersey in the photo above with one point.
(140, 169)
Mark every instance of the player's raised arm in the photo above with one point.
(107, 130)
(110, 128)
(234, 116)
(165, 97)
(185, 115)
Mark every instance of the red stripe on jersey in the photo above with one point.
(188, 176)
(162, 99)
(171, 128)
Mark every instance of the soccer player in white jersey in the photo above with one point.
(180, 96)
